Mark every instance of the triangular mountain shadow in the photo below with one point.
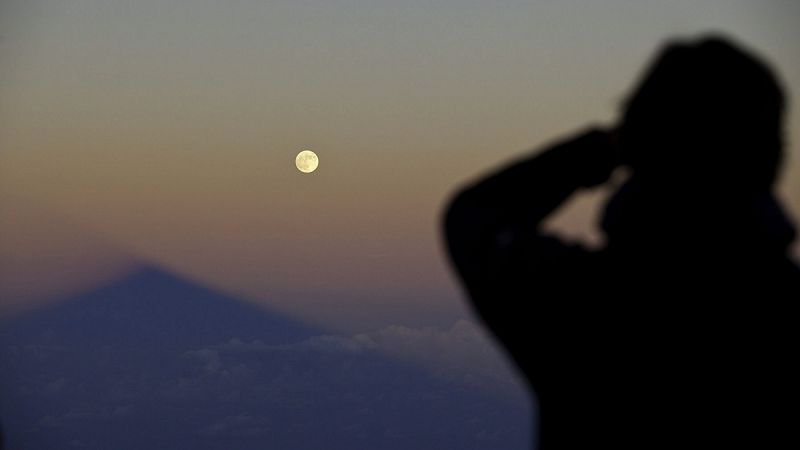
(155, 361)
(154, 307)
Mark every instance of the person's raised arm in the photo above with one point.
(485, 221)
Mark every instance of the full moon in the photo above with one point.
(306, 161)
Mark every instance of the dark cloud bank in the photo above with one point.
(155, 362)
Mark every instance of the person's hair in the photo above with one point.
(706, 112)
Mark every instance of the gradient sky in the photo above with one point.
(165, 131)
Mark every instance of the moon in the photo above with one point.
(306, 161)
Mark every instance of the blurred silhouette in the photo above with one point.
(678, 332)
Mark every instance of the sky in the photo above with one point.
(164, 132)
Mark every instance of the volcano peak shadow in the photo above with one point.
(156, 361)
(155, 307)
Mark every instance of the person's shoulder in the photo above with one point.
(781, 278)
(793, 271)
(554, 256)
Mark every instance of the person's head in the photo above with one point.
(702, 134)
(707, 114)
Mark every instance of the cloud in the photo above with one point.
(209, 356)
(463, 354)
(394, 388)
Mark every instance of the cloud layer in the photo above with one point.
(395, 388)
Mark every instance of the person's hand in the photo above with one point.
(600, 154)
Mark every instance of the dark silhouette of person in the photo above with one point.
(680, 331)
